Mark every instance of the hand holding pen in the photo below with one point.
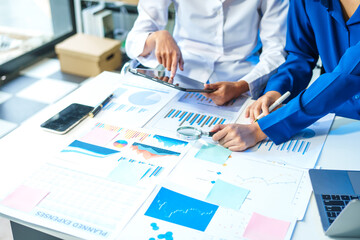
(100, 106)
(279, 101)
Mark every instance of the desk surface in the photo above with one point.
(340, 152)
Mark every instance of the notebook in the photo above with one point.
(337, 194)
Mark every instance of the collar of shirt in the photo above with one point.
(335, 10)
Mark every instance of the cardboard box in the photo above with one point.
(130, 2)
(88, 55)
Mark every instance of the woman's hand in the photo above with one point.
(166, 50)
(238, 137)
(226, 91)
(261, 105)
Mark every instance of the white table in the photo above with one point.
(341, 151)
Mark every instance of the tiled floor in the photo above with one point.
(35, 88)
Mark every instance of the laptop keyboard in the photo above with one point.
(335, 203)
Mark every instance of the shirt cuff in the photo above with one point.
(136, 47)
(257, 83)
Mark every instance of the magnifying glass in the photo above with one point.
(192, 133)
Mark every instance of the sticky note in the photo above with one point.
(24, 198)
(213, 153)
(227, 195)
(265, 228)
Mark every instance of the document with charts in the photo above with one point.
(191, 206)
(135, 101)
(166, 215)
(302, 150)
(285, 188)
(193, 109)
(96, 183)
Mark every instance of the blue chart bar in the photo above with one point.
(170, 113)
(306, 148)
(144, 169)
(131, 109)
(295, 146)
(121, 107)
(112, 106)
(194, 119)
(195, 98)
(178, 113)
(109, 106)
(201, 120)
(142, 110)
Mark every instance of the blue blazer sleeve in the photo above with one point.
(295, 74)
(325, 95)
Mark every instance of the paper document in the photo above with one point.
(274, 189)
(193, 109)
(171, 214)
(95, 184)
(135, 101)
(302, 150)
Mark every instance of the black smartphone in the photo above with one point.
(180, 82)
(67, 118)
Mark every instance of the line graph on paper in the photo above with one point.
(269, 184)
(281, 179)
(176, 208)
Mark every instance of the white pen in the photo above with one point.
(279, 101)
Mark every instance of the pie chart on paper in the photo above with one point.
(144, 98)
(120, 143)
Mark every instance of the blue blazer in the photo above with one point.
(316, 28)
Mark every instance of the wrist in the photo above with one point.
(259, 134)
(241, 87)
(273, 94)
(149, 44)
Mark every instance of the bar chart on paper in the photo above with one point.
(302, 150)
(297, 145)
(198, 99)
(192, 118)
(132, 172)
(136, 104)
(170, 118)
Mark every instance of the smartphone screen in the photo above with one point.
(67, 118)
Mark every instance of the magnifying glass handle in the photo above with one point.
(211, 134)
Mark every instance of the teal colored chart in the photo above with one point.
(169, 142)
(144, 98)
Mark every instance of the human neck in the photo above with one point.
(349, 7)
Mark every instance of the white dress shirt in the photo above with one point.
(217, 37)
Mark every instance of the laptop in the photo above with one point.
(337, 194)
